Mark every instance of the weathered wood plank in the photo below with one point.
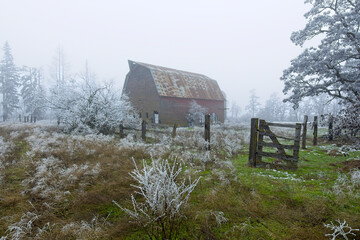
(303, 144)
(267, 144)
(253, 142)
(279, 156)
(273, 137)
(287, 125)
(297, 140)
(262, 123)
(143, 131)
(207, 131)
(121, 130)
(315, 133)
(173, 135)
(269, 134)
(331, 131)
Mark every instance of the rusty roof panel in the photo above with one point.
(175, 83)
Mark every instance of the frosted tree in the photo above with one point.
(9, 79)
(60, 68)
(235, 109)
(333, 66)
(254, 106)
(196, 113)
(274, 108)
(32, 93)
(84, 106)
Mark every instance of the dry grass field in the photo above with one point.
(60, 186)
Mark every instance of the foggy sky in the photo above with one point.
(243, 45)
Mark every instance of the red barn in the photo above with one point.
(164, 95)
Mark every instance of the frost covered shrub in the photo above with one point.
(228, 141)
(84, 107)
(84, 229)
(348, 120)
(164, 198)
(52, 178)
(23, 228)
(342, 230)
(349, 186)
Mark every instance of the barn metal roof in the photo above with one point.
(176, 83)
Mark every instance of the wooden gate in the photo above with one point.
(282, 159)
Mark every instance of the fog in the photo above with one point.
(243, 45)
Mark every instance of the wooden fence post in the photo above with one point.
(143, 130)
(34, 119)
(260, 138)
(31, 118)
(315, 126)
(303, 145)
(27, 119)
(173, 135)
(253, 142)
(207, 131)
(121, 128)
(331, 131)
(19, 118)
(297, 140)
(24, 119)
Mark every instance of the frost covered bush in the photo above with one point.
(228, 141)
(84, 229)
(348, 120)
(52, 178)
(164, 198)
(23, 228)
(342, 230)
(349, 186)
(84, 107)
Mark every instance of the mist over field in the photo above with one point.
(179, 120)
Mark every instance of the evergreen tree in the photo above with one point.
(32, 92)
(9, 79)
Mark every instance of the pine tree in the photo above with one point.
(9, 79)
(32, 92)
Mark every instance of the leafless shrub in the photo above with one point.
(164, 198)
(342, 230)
(23, 228)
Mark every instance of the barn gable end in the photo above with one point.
(169, 92)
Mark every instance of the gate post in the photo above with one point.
(303, 144)
(253, 142)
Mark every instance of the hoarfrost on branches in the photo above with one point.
(333, 66)
(164, 197)
(84, 107)
(342, 229)
(196, 114)
(23, 228)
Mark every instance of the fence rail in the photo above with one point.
(260, 129)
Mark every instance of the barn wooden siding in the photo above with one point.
(169, 92)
